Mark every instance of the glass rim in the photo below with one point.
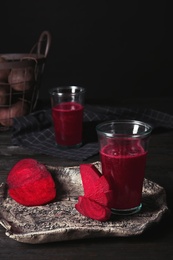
(147, 130)
(61, 90)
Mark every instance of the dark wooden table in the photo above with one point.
(155, 243)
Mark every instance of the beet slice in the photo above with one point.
(91, 209)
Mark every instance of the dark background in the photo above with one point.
(116, 49)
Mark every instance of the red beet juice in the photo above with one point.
(124, 172)
(67, 118)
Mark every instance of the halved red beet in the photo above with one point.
(30, 183)
(18, 171)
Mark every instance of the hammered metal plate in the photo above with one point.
(60, 221)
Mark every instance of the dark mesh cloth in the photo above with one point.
(35, 131)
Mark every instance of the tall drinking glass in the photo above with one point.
(67, 112)
(123, 153)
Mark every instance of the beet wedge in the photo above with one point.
(103, 198)
(91, 209)
(89, 176)
(103, 183)
(96, 186)
(93, 181)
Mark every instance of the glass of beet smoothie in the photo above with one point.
(67, 104)
(123, 151)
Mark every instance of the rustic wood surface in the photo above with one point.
(155, 243)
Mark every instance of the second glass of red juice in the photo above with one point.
(67, 104)
(123, 153)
